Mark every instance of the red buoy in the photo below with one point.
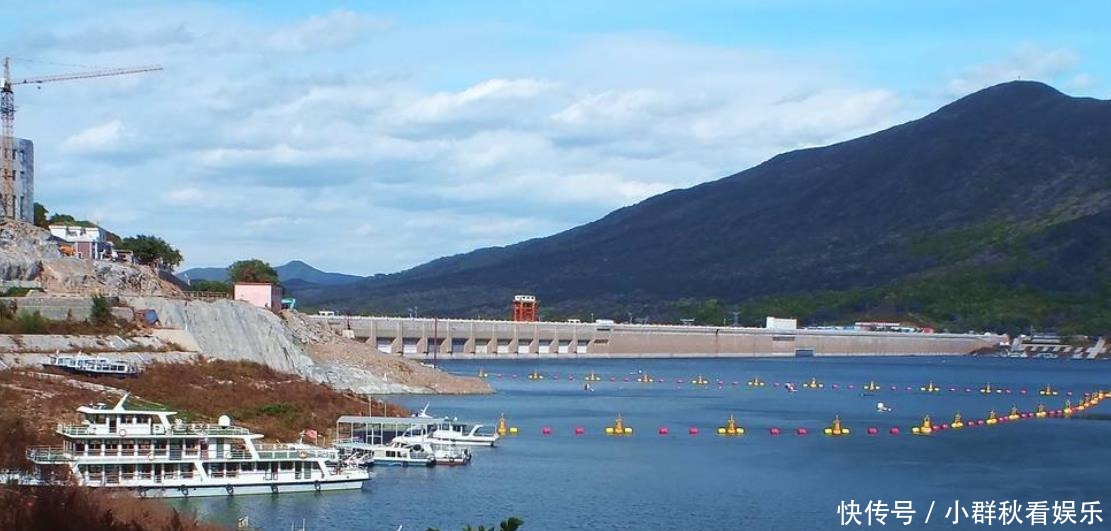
(693, 430)
(801, 431)
(579, 430)
(894, 430)
(663, 430)
(872, 430)
(773, 431)
(546, 430)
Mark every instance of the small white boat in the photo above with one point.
(94, 366)
(882, 408)
(401, 454)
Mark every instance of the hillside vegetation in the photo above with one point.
(993, 212)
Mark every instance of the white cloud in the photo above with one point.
(336, 29)
(1027, 62)
(184, 196)
(97, 139)
(413, 144)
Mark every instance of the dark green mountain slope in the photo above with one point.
(1006, 192)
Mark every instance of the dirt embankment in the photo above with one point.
(345, 358)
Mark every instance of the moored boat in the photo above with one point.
(146, 450)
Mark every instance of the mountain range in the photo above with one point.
(991, 212)
(293, 275)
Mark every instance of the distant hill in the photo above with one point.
(992, 212)
(293, 274)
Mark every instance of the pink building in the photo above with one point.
(261, 294)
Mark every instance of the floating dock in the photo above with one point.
(423, 338)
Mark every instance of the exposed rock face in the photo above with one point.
(232, 330)
(27, 253)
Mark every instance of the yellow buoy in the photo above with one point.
(1041, 412)
(1013, 415)
(986, 389)
(756, 382)
(644, 378)
(925, 428)
(872, 387)
(991, 420)
(731, 429)
(619, 427)
(592, 377)
(930, 388)
(535, 375)
(699, 380)
(813, 384)
(481, 373)
(957, 422)
(504, 428)
(1068, 408)
(836, 429)
(1048, 391)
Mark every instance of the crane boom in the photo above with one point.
(86, 75)
(7, 116)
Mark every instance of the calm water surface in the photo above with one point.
(563, 481)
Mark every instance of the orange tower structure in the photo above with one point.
(525, 308)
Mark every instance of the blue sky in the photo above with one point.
(369, 137)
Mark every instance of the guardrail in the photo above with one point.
(206, 295)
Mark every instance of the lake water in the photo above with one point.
(563, 481)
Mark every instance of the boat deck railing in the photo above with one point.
(58, 454)
(154, 429)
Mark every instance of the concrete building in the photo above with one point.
(261, 294)
(23, 190)
(88, 242)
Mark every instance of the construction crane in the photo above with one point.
(7, 113)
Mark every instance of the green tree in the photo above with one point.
(210, 285)
(253, 270)
(149, 249)
(40, 216)
(101, 312)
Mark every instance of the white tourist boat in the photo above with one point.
(146, 450)
(451, 431)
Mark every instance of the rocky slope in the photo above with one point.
(28, 254)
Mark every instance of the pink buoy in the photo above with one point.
(835, 387)
(952, 389)
(802, 431)
(893, 431)
(570, 378)
(555, 376)
(663, 430)
(734, 382)
(909, 388)
(720, 383)
(679, 380)
(1008, 391)
(546, 430)
(579, 430)
(1022, 391)
(968, 389)
(872, 430)
(943, 427)
(693, 430)
(894, 388)
(773, 432)
(851, 387)
(626, 378)
(613, 378)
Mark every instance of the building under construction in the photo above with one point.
(20, 204)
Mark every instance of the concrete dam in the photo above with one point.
(427, 338)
